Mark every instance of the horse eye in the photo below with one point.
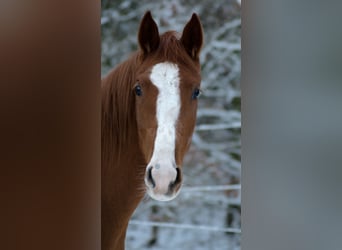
(196, 94)
(138, 90)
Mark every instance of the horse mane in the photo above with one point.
(118, 109)
(118, 102)
(172, 50)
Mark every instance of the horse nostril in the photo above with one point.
(150, 178)
(177, 180)
(179, 176)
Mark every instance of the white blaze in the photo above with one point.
(165, 76)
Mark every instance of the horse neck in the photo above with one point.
(122, 175)
(120, 147)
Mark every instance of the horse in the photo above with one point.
(148, 115)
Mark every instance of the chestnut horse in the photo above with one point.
(149, 105)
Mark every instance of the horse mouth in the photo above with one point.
(168, 196)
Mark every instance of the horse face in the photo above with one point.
(166, 103)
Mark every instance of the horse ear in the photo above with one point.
(192, 37)
(148, 35)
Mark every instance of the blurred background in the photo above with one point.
(206, 214)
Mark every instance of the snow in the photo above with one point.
(213, 161)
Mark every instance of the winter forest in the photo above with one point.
(206, 214)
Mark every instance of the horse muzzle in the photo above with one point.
(163, 182)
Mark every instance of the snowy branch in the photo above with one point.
(184, 226)
(212, 166)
